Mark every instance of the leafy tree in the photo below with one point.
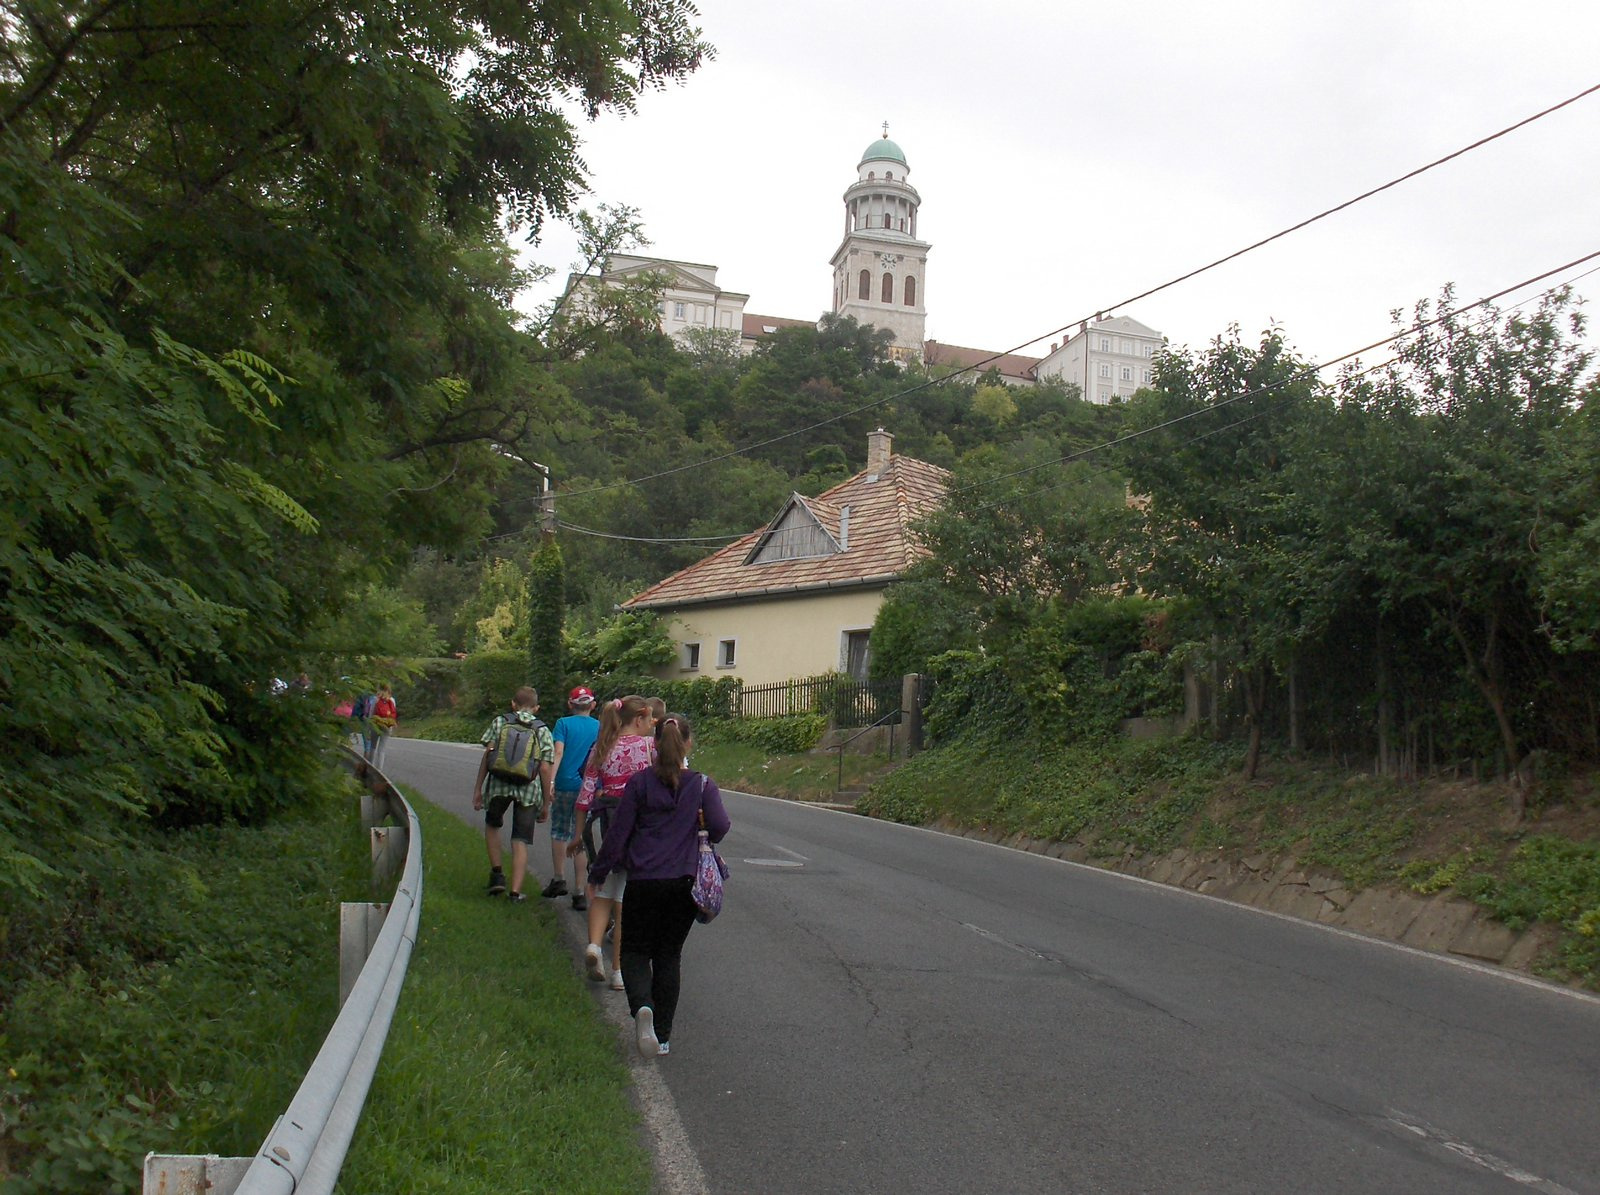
(547, 613)
(257, 342)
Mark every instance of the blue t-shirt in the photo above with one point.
(578, 732)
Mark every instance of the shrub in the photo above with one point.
(489, 678)
(429, 685)
(779, 736)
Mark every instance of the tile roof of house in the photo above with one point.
(878, 543)
(1011, 365)
(765, 325)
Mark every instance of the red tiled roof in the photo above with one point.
(757, 325)
(1011, 365)
(878, 539)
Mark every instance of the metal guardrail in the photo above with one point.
(306, 1148)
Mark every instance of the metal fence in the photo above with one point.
(843, 701)
(306, 1148)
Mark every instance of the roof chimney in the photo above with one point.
(878, 452)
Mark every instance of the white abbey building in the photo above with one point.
(880, 272)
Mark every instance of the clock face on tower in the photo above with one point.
(889, 260)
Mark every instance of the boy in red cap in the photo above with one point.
(575, 735)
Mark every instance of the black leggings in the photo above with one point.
(660, 915)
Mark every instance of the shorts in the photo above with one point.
(563, 815)
(613, 887)
(523, 817)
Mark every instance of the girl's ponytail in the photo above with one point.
(672, 747)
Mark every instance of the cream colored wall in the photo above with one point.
(775, 640)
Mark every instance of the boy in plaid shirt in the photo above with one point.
(529, 803)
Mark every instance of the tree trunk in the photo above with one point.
(1295, 744)
(1254, 683)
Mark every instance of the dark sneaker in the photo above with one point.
(517, 898)
(497, 882)
(580, 903)
(556, 887)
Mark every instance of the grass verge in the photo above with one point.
(169, 996)
(498, 1076)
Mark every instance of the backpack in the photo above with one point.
(512, 755)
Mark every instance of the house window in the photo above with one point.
(866, 285)
(902, 223)
(911, 292)
(661, 309)
(1105, 370)
(888, 176)
(1127, 374)
(888, 288)
(727, 653)
(691, 657)
(856, 654)
(1147, 377)
(677, 311)
(1105, 344)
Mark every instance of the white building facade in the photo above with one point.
(1108, 360)
(689, 298)
(880, 269)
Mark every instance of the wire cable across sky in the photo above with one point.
(1144, 294)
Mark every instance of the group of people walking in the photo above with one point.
(625, 810)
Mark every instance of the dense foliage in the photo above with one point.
(256, 344)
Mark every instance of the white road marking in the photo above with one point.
(1477, 1157)
(773, 863)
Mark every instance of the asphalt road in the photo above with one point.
(887, 1009)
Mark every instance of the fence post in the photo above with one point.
(911, 707)
(193, 1174)
(359, 924)
(388, 854)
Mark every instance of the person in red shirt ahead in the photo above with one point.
(655, 835)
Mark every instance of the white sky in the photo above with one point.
(1070, 155)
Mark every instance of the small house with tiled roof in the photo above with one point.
(798, 597)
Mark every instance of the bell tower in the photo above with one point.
(880, 267)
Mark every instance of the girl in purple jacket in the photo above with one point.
(654, 836)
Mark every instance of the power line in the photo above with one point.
(645, 539)
(1306, 372)
(1144, 294)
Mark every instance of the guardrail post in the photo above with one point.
(359, 923)
(388, 854)
(192, 1174)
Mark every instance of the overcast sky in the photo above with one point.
(1072, 155)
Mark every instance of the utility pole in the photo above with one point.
(547, 505)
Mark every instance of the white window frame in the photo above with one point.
(691, 656)
(677, 310)
(728, 653)
(1105, 369)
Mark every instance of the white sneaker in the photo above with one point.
(595, 963)
(616, 981)
(666, 1048)
(645, 1032)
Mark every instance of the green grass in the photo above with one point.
(169, 998)
(444, 728)
(499, 1076)
(803, 776)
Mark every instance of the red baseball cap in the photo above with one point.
(580, 696)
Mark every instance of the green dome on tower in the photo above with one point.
(883, 150)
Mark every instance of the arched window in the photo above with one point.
(911, 292)
(888, 176)
(871, 175)
(886, 219)
(902, 223)
(888, 288)
(866, 284)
